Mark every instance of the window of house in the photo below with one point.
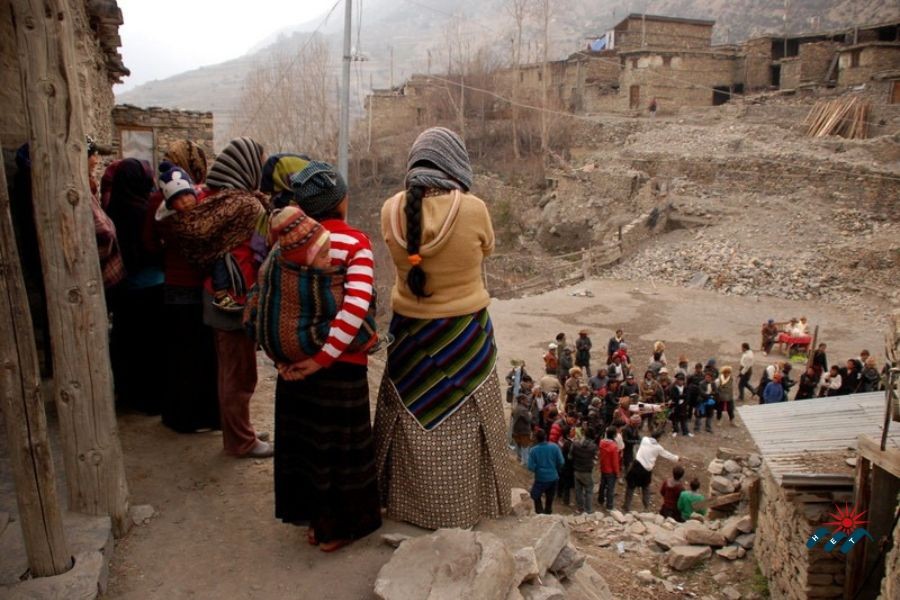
(634, 63)
(667, 61)
(540, 75)
(137, 143)
(854, 58)
(521, 76)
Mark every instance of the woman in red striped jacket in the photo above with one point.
(325, 455)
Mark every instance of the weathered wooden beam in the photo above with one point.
(76, 306)
(23, 411)
(888, 459)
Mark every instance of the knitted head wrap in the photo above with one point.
(190, 157)
(438, 159)
(238, 166)
(276, 176)
(299, 236)
(318, 188)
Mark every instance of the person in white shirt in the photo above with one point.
(831, 382)
(640, 473)
(746, 372)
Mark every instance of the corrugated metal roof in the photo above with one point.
(811, 437)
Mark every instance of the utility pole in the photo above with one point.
(391, 87)
(545, 132)
(344, 132)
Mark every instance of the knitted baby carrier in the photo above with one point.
(290, 309)
(220, 223)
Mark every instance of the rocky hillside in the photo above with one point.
(415, 28)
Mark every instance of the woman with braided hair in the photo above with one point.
(439, 427)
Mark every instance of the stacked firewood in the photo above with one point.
(847, 117)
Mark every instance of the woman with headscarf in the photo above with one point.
(189, 402)
(439, 426)
(137, 303)
(276, 177)
(325, 457)
(233, 182)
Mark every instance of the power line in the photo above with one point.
(289, 69)
(593, 119)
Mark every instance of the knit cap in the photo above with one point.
(173, 182)
(318, 188)
(299, 236)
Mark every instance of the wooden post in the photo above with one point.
(856, 561)
(76, 306)
(586, 263)
(753, 493)
(23, 411)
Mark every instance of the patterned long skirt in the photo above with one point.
(450, 476)
(325, 454)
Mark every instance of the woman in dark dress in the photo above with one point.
(189, 401)
(325, 456)
(136, 303)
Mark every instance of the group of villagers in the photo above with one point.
(204, 262)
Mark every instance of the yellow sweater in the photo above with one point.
(456, 236)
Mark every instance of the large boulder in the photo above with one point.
(567, 562)
(588, 584)
(547, 534)
(721, 484)
(448, 564)
(702, 536)
(682, 558)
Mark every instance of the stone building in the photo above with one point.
(808, 474)
(99, 67)
(145, 133)
(864, 62)
(658, 31)
(678, 78)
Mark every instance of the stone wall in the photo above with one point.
(636, 33)
(756, 64)
(166, 126)
(676, 79)
(790, 73)
(793, 571)
(815, 61)
(890, 585)
(870, 59)
(96, 71)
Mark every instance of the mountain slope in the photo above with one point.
(415, 29)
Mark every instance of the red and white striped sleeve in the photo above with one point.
(354, 250)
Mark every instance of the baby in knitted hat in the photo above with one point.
(303, 241)
(180, 196)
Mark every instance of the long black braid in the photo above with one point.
(416, 277)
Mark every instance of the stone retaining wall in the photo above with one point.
(793, 571)
(165, 125)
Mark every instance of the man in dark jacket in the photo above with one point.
(679, 407)
(631, 437)
(584, 456)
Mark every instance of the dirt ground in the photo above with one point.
(215, 535)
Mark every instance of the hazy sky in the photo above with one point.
(165, 37)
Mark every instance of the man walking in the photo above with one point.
(545, 461)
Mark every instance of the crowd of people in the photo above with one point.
(204, 261)
(610, 420)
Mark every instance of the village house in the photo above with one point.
(671, 59)
(145, 133)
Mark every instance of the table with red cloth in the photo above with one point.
(792, 340)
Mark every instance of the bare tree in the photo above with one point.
(518, 9)
(286, 104)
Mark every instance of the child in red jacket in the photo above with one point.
(671, 489)
(610, 467)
